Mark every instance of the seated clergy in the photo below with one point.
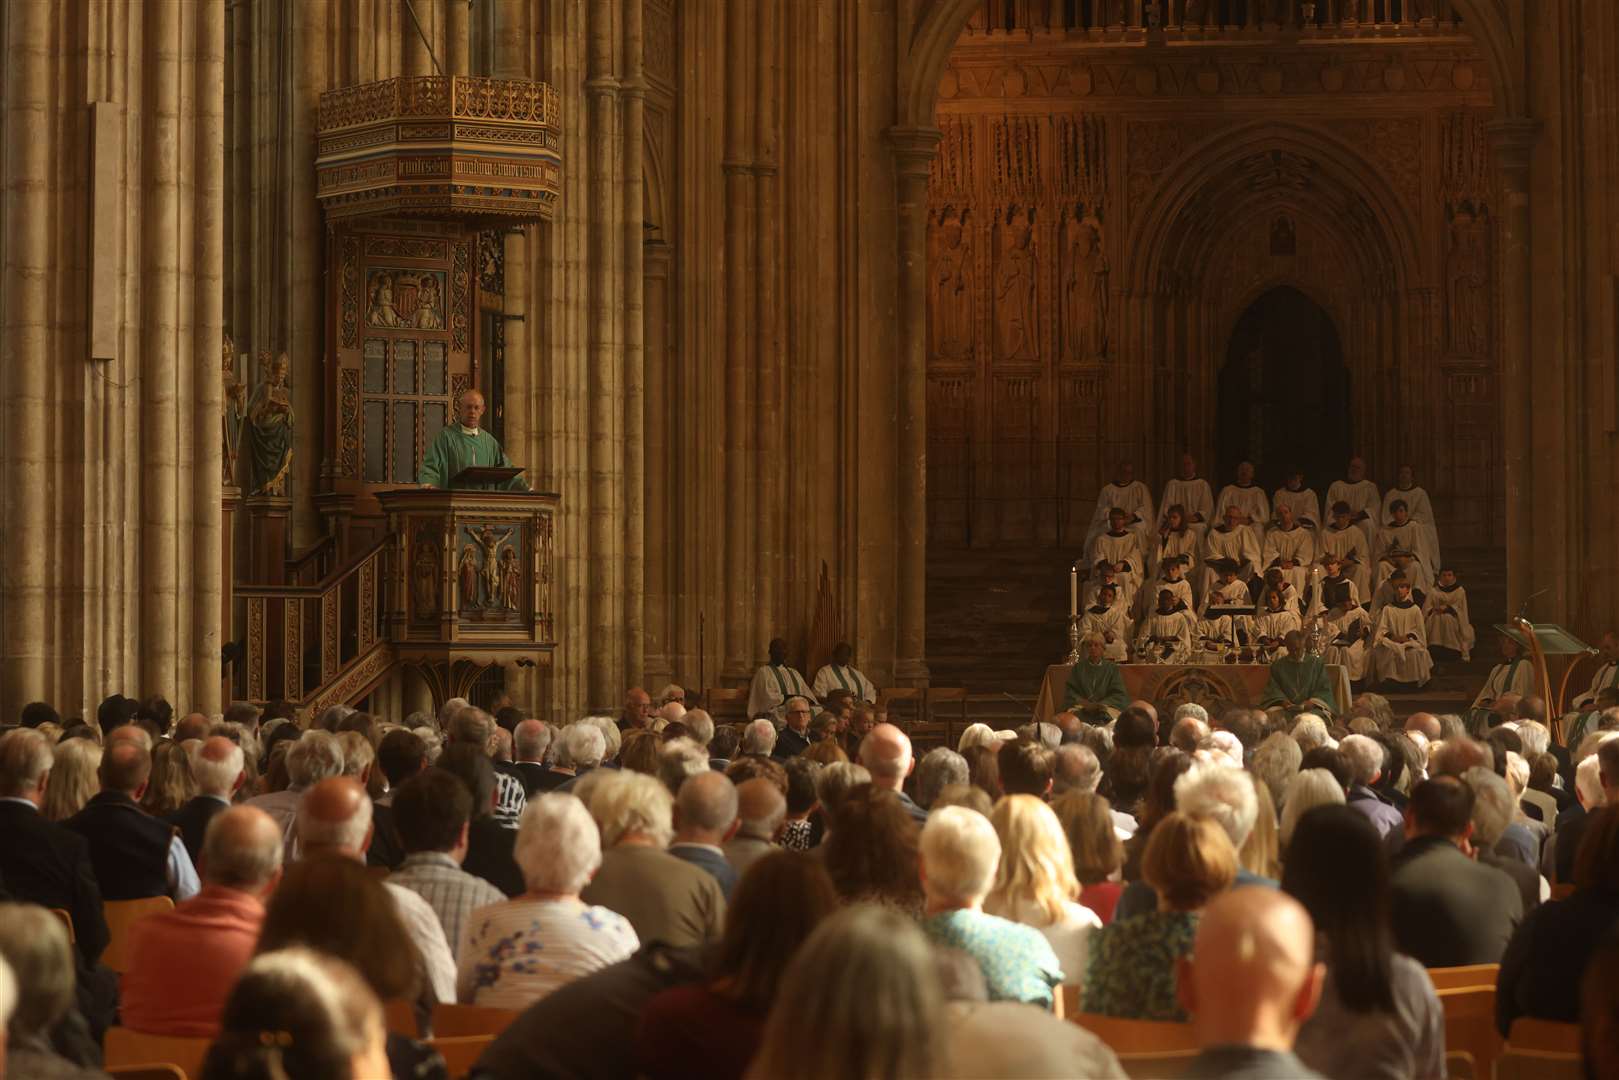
(1419, 508)
(1130, 495)
(1299, 682)
(1095, 684)
(1231, 540)
(1345, 540)
(1607, 672)
(1104, 576)
(1514, 674)
(1290, 548)
(1362, 498)
(1108, 618)
(1191, 493)
(1305, 505)
(774, 683)
(1177, 540)
(1275, 621)
(462, 445)
(1345, 622)
(840, 674)
(1168, 629)
(1247, 497)
(1445, 609)
(1119, 547)
(1399, 641)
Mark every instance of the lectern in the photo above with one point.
(1541, 641)
(470, 575)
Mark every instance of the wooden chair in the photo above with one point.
(948, 705)
(1156, 1066)
(461, 1053)
(1515, 1064)
(147, 1072)
(399, 1016)
(122, 915)
(1548, 1036)
(1470, 1024)
(911, 700)
(726, 705)
(1470, 975)
(130, 1048)
(67, 921)
(458, 1021)
(1138, 1036)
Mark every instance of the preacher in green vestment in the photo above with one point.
(1095, 683)
(462, 445)
(1299, 683)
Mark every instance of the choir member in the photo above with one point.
(1362, 497)
(1445, 608)
(1400, 643)
(1248, 497)
(1306, 507)
(1131, 495)
(1192, 493)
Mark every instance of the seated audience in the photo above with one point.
(1551, 950)
(1448, 909)
(1008, 1039)
(134, 854)
(1223, 794)
(530, 740)
(182, 963)
(517, 951)
(761, 809)
(1379, 1016)
(886, 753)
(432, 811)
(1275, 762)
(1166, 766)
(35, 951)
(713, 1028)
(217, 767)
(1596, 784)
(1025, 767)
(1365, 758)
(860, 999)
(1098, 853)
(298, 1013)
(1599, 1012)
(1492, 814)
(471, 726)
(938, 769)
(171, 785)
(1188, 861)
(1307, 790)
(871, 850)
(312, 757)
(1261, 855)
(664, 898)
(1249, 984)
(705, 817)
(489, 844)
(1035, 883)
(74, 779)
(797, 829)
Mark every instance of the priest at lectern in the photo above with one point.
(464, 445)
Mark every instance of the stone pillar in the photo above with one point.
(913, 155)
(1514, 141)
(633, 93)
(456, 20)
(770, 613)
(658, 475)
(415, 31)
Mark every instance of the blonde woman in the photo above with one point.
(1306, 791)
(1260, 853)
(1035, 883)
(171, 786)
(73, 779)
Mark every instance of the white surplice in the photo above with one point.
(1306, 507)
(1362, 498)
(1295, 545)
(831, 677)
(1124, 548)
(1252, 501)
(1449, 625)
(1402, 661)
(1408, 537)
(1134, 499)
(1607, 675)
(1238, 545)
(1113, 623)
(1197, 499)
(1276, 624)
(1147, 601)
(1188, 544)
(1178, 626)
(1349, 544)
(1346, 640)
(1514, 676)
(1420, 507)
(772, 685)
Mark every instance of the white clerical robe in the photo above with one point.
(1148, 598)
(1238, 545)
(1362, 499)
(1125, 592)
(1295, 545)
(1223, 627)
(1113, 623)
(1306, 507)
(1392, 658)
(1173, 631)
(1407, 537)
(1252, 501)
(1386, 593)
(1420, 507)
(1449, 625)
(1276, 624)
(1607, 675)
(1346, 640)
(772, 685)
(1134, 499)
(831, 677)
(1349, 544)
(1195, 497)
(1184, 545)
(1124, 548)
(1514, 676)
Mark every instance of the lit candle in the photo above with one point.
(1073, 591)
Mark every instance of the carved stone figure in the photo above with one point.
(952, 279)
(424, 577)
(467, 568)
(511, 580)
(235, 410)
(429, 313)
(1468, 284)
(1015, 322)
(1084, 289)
(381, 311)
(268, 432)
(489, 540)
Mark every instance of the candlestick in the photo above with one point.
(1073, 590)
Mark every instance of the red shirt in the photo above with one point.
(1102, 898)
(692, 1033)
(184, 962)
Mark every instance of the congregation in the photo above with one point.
(657, 894)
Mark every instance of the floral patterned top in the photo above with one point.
(518, 951)
(795, 835)
(1132, 966)
(1017, 960)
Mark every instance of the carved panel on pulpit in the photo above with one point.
(489, 572)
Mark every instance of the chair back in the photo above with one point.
(147, 1072)
(1550, 1036)
(456, 1021)
(726, 705)
(128, 1048)
(947, 707)
(461, 1053)
(905, 706)
(1470, 1024)
(399, 1016)
(122, 915)
(1138, 1036)
(1515, 1064)
(1446, 978)
(1156, 1066)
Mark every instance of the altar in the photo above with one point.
(1213, 686)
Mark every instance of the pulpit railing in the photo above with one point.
(316, 645)
(1116, 20)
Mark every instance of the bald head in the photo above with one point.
(706, 808)
(192, 726)
(335, 816)
(242, 850)
(125, 767)
(886, 754)
(216, 765)
(1427, 723)
(1147, 707)
(1252, 978)
(761, 807)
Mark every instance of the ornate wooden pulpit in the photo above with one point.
(470, 581)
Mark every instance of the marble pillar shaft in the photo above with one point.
(633, 334)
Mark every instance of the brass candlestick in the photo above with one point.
(1073, 641)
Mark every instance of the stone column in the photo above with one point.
(415, 31)
(1514, 141)
(913, 155)
(658, 475)
(304, 334)
(456, 19)
(769, 610)
(633, 205)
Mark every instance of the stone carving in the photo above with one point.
(235, 410)
(492, 262)
(424, 576)
(380, 310)
(951, 273)
(349, 310)
(406, 300)
(349, 421)
(511, 580)
(1081, 157)
(268, 432)
(467, 569)
(1467, 279)
(1015, 286)
(460, 291)
(1084, 288)
(489, 542)
(952, 165)
(1015, 167)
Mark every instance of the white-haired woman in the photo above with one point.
(516, 952)
(1306, 791)
(1035, 883)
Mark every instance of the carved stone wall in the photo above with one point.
(1099, 222)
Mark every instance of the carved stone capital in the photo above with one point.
(914, 148)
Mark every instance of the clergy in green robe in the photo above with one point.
(462, 445)
(1299, 683)
(1094, 682)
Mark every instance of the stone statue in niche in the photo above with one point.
(1468, 283)
(489, 541)
(952, 279)
(429, 313)
(1015, 323)
(1084, 287)
(467, 570)
(424, 577)
(235, 410)
(268, 432)
(511, 580)
(381, 311)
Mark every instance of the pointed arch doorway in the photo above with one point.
(1284, 392)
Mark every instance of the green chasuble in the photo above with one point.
(454, 450)
(1299, 679)
(1100, 682)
